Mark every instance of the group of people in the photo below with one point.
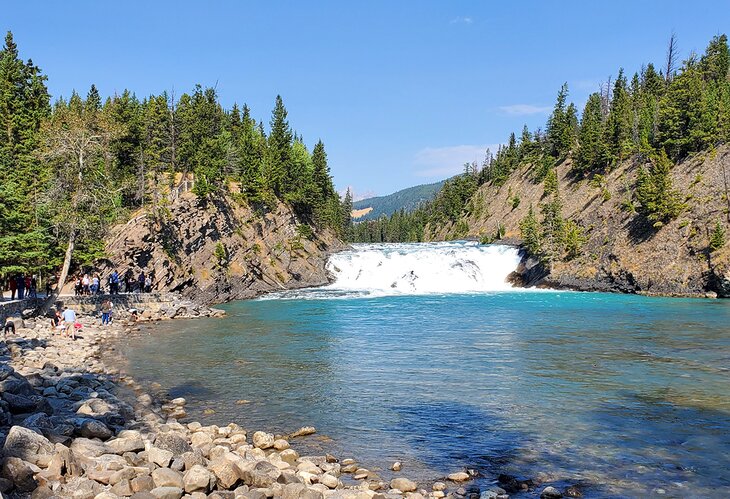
(22, 286)
(91, 285)
(64, 322)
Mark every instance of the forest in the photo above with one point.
(657, 117)
(71, 168)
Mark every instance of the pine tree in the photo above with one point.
(280, 144)
(618, 130)
(660, 202)
(346, 216)
(24, 104)
(558, 126)
(530, 233)
(717, 238)
(591, 149)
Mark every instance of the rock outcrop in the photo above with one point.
(218, 250)
(624, 252)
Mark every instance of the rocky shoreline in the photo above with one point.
(71, 426)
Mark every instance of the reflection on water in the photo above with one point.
(622, 394)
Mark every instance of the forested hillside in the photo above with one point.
(72, 168)
(406, 199)
(631, 193)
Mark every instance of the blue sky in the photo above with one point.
(401, 92)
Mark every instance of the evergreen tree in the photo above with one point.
(618, 129)
(346, 216)
(24, 104)
(530, 233)
(280, 143)
(717, 238)
(558, 128)
(591, 149)
(660, 202)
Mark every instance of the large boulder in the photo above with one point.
(226, 473)
(91, 428)
(173, 442)
(20, 472)
(19, 404)
(262, 475)
(27, 445)
(165, 477)
(263, 440)
(403, 484)
(197, 478)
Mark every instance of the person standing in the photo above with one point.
(128, 281)
(106, 312)
(33, 291)
(20, 283)
(141, 281)
(13, 285)
(86, 284)
(114, 283)
(95, 284)
(69, 322)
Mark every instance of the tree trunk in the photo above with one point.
(66, 263)
(51, 298)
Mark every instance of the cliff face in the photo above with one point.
(623, 252)
(218, 251)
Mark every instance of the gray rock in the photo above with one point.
(19, 404)
(460, 476)
(329, 481)
(403, 484)
(165, 477)
(91, 428)
(173, 442)
(263, 440)
(160, 457)
(550, 493)
(197, 478)
(17, 385)
(262, 475)
(127, 444)
(142, 483)
(27, 445)
(87, 447)
(167, 492)
(20, 472)
(5, 371)
(225, 472)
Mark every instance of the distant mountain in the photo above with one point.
(407, 199)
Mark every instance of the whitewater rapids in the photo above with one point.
(373, 270)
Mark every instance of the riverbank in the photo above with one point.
(74, 427)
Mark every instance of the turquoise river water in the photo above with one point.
(626, 396)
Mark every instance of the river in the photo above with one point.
(423, 354)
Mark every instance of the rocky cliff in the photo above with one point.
(216, 251)
(623, 251)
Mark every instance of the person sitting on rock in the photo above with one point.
(9, 326)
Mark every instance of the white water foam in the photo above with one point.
(370, 270)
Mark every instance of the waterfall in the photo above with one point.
(431, 268)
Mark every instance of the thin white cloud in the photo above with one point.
(462, 20)
(447, 161)
(524, 109)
